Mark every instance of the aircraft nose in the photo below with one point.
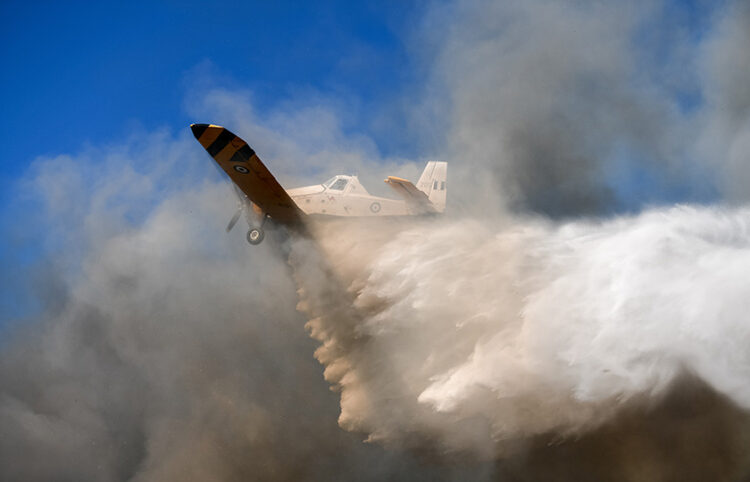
(198, 129)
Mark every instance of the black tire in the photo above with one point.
(255, 236)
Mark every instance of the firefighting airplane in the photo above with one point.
(262, 197)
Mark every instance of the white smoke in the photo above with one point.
(168, 351)
(479, 335)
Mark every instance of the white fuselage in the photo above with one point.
(345, 196)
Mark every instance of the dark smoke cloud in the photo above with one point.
(725, 63)
(568, 103)
(693, 435)
(543, 93)
(167, 351)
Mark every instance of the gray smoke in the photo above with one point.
(725, 122)
(494, 344)
(173, 352)
(582, 108)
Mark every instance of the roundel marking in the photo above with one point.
(375, 207)
(241, 169)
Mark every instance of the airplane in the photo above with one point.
(262, 197)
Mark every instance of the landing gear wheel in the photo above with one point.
(255, 236)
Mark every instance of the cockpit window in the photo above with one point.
(339, 185)
(328, 183)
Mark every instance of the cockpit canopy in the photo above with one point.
(343, 183)
(336, 183)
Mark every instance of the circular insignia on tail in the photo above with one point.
(241, 169)
(375, 207)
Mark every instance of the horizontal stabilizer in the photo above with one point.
(417, 199)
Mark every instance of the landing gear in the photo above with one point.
(255, 236)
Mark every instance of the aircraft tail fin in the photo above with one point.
(432, 182)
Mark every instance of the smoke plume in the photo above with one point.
(475, 338)
(517, 338)
(173, 354)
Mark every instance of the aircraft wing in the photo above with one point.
(246, 170)
(416, 198)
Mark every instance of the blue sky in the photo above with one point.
(86, 71)
(80, 74)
